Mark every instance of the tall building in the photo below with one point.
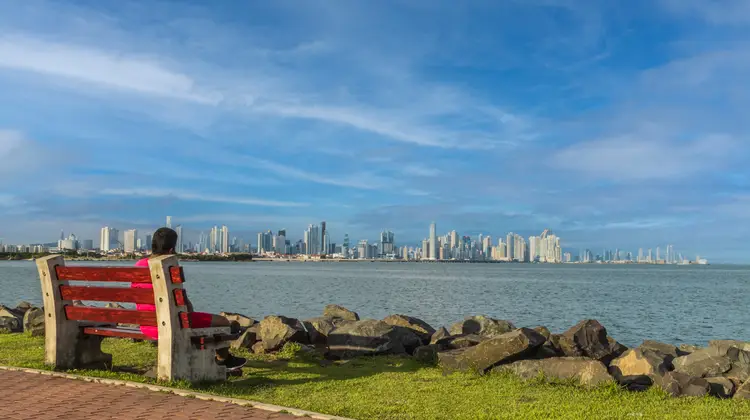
(323, 239)
(425, 249)
(640, 255)
(535, 253)
(386, 245)
(169, 222)
(363, 249)
(129, 240)
(433, 242)
(224, 240)
(454, 239)
(509, 246)
(108, 239)
(313, 240)
(345, 247)
(87, 244)
(180, 248)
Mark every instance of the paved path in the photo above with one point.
(35, 396)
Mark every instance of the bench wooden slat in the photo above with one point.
(177, 275)
(108, 294)
(121, 274)
(113, 316)
(121, 332)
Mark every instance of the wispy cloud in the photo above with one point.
(734, 12)
(634, 158)
(134, 74)
(193, 196)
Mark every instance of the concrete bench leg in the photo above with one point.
(89, 353)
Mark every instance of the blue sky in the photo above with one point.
(614, 123)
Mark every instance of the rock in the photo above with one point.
(589, 338)
(721, 387)
(638, 368)
(258, 348)
(246, 341)
(702, 363)
(275, 331)
(439, 334)
(336, 311)
(589, 372)
(543, 331)
(319, 328)
(504, 348)
(7, 312)
(371, 337)
(243, 321)
(724, 345)
(10, 324)
(680, 384)
(33, 322)
(688, 348)
(23, 306)
(743, 392)
(113, 305)
(422, 329)
(427, 354)
(459, 342)
(481, 325)
(671, 352)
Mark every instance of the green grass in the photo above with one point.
(399, 388)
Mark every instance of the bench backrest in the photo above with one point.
(123, 293)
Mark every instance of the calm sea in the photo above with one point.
(676, 304)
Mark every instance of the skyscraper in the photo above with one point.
(147, 245)
(213, 240)
(108, 239)
(169, 222)
(345, 247)
(313, 241)
(323, 244)
(129, 240)
(224, 240)
(433, 242)
(180, 249)
(386, 244)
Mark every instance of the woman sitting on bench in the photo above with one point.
(164, 242)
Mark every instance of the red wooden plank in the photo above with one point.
(117, 332)
(177, 274)
(179, 297)
(107, 294)
(185, 319)
(113, 316)
(123, 274)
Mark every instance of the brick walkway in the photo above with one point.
(35, 396)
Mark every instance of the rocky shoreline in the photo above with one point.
(585, 352)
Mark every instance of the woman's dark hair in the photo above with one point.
(164, 241)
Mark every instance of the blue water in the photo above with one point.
(676, 304)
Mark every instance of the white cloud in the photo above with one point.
(419, 170)
(714, 11)
(633, 158)
(192, 196)
(107, 69)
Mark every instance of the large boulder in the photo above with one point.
(455, 342)
(550, 348)
(589, 338)
(721, 387)
(370, 337)
(669, 351)
(724, 345)
(439, 334)
(318, 328)
(504, 348)
(638, 368)
(679, 384)
(246, 341)
(688, 348)
(275, 331)
(336, 311)
(481, 325)
(702, 363)
(427, 354)
(8, 312)
(588, 372)
(33, 322)
(23, 306)
(422, 329)
(242, 321)
(10, 324)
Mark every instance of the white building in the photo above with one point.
(433, 242)
(129, 240)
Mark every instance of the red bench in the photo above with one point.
(73, 334)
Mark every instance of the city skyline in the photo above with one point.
(545, 247)
(612, 126)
